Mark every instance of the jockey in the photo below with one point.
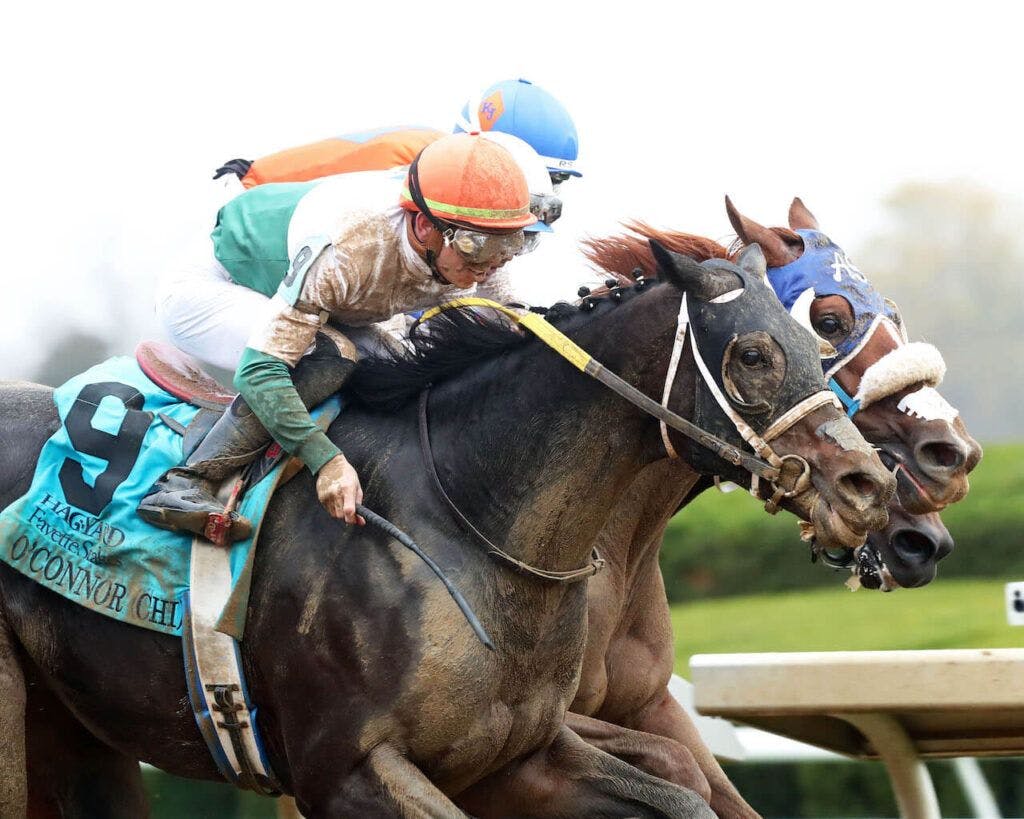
(363, 248)
(390, 148)
(525, 110)
(515, 107)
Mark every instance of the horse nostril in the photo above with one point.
(913, 547)
(942, 455)
(860, 483)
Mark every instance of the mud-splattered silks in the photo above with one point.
(76, 530)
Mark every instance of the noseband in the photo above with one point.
(793, 473)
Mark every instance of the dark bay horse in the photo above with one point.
(374, 697)
(630, 650)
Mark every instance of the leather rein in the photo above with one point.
(593, 567)
(788, 474)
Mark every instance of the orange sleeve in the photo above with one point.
(327, 157)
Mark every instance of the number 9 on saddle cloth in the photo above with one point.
(76, 530)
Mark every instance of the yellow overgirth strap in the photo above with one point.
(534, 322)
(582, 360)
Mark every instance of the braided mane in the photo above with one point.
(459, 338)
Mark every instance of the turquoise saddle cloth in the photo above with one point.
(76, 530)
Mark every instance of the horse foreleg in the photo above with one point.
(13, 774)
(384, 784)
(572, 778)
(665, 717)
(657, 755)
(72, 774)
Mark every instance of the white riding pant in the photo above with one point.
(207, 315)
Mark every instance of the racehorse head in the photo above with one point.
(760, 379)
(711, 340)
(887, 384)
(913, 544)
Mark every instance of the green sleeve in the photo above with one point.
(265, 382)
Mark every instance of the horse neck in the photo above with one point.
(632, 535)
(538, 453)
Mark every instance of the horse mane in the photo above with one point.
(454, 340)
(458, 338)
(625, 254)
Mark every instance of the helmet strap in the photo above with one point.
(429, 256)
(446, 231)
(431, 259)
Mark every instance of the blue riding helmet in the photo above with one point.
(520, 108)
(825, 268)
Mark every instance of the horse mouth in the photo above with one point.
(866, 565)
(913, 495)
(831, 530)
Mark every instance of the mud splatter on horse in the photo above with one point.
(383, 702)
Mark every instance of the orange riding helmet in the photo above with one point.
(472, 182)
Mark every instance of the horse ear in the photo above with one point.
(693, 278)
(751, 260)
(800, 218)
(777, 251)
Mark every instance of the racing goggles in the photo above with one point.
(546, 207)
(484, 249)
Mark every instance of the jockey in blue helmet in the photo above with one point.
(525, 110)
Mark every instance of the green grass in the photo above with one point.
(946, 614)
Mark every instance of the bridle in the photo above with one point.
(788, 475)
(792, 471)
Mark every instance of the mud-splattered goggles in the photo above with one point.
(546, 207)
(558, 177)
(484, 249)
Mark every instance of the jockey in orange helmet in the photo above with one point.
(363, 247)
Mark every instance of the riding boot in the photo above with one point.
(184, 498)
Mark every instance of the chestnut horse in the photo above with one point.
(630, 650)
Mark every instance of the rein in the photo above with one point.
(759, 443)
(790, 474)
(593, 567)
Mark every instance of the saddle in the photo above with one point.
(181, 376)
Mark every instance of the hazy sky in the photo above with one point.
(116, 113)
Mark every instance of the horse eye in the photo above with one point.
(751, 357)
(829, 325)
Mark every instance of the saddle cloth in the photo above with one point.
(76, 530)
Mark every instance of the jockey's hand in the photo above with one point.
(339, 490)
(239, 167)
